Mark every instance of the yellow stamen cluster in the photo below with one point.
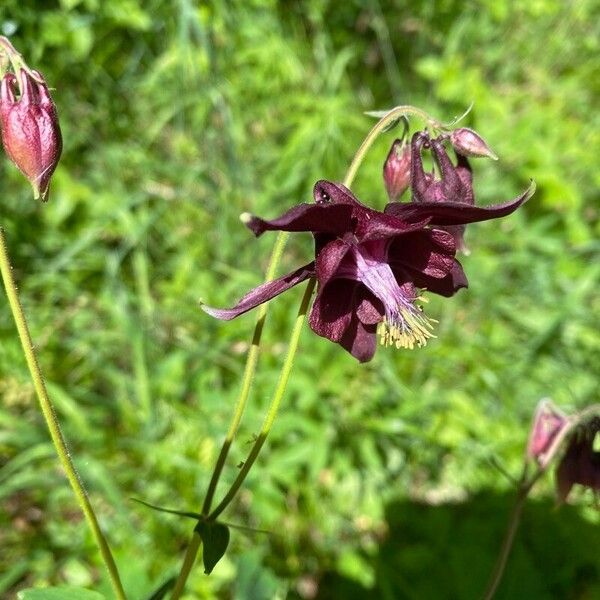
(411, 327)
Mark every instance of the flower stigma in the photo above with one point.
(404, 324)
(407, 327)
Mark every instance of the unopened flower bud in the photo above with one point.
(549, 426)
(30, 130)
(396, 170)
(468, 143)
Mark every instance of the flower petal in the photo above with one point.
(332, 309)
(451, 183)
(7, 91)
(549, 427)
(464, 171)
(429, 251)
(262, 293)
(370, 309)
(568, 470)
(419, 181)
(360, 340)
(376, 225)
(29, 93)
(580, 462)
(447, 286)
(340, 294)
(327, 192)
(369, 224)
(455, 213)
(329, 258)
(317, 218)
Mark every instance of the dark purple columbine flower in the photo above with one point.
(369, 265)
(580, 463)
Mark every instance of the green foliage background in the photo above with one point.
(177, 117)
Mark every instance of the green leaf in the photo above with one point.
(59, 593)
(215, 537)
(171, 511)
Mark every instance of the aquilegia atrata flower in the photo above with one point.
(369, 264)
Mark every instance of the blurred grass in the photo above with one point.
(179, 116)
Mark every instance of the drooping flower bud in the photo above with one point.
(469, 143)
(396, 170)
(454, 185)
(30, 129)
(549, 427)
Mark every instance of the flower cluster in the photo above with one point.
(370, 266)
(29, 123)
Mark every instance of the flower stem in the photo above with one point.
(248, 377)
(186, 567)
(247, 380)
(51, 419)
(192, 548)
(275, 402)
(523, 490)
(14, 57)
(393, 115)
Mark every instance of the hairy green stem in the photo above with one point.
(275, 402)
(188, 562)
(15, 59)
(51, 420)
(192, 549)
(248, 378)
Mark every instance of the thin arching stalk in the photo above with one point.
(247, 379)
(51, 419)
